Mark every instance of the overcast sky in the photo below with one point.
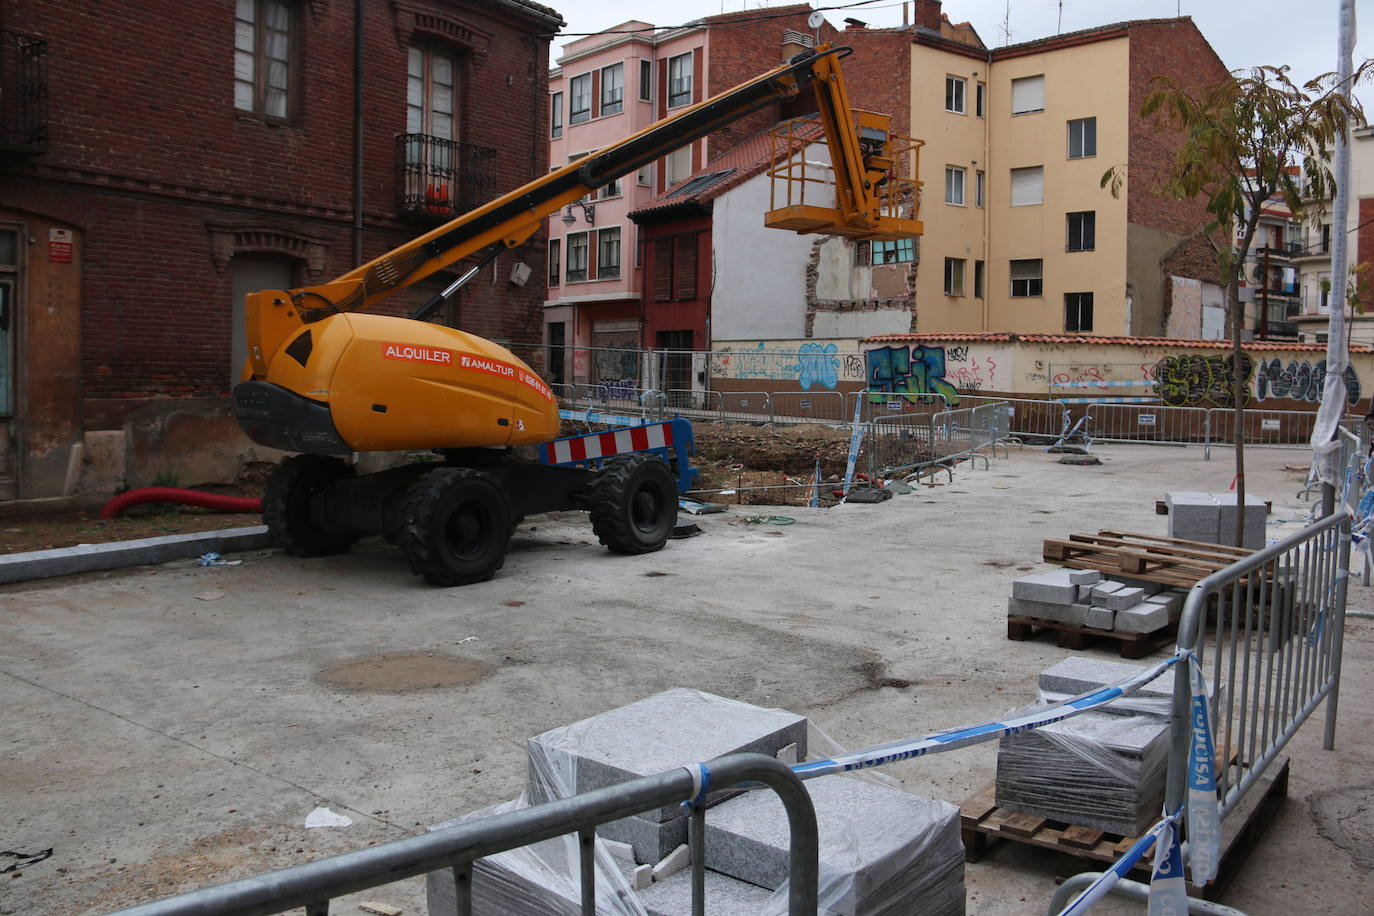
(1245, 33)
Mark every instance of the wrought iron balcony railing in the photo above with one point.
(23, 93)
(442, 178)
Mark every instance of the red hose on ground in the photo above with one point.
(115, 507)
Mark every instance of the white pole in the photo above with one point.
(1337, 355)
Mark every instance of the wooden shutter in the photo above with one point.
(685, 266)
(663, 269)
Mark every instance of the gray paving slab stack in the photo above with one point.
(1103, 769)
(670, 729)
(538, 880)
(1054, 587)
(1085, 598)
(882, 850)
(1095, 770)
(1211, 517)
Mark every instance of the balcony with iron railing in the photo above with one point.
(440, 179)
(23, 93)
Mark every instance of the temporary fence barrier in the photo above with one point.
(743, 406)
(1279, 621)
(1029, 419)
(1263, 428)
(808, 407)
(315, 884)
(1157, 423)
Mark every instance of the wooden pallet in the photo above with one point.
(1168, 561)
(1082, 849)
(1074, 636)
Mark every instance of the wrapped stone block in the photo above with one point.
(1095, 770)
(673, 895)
(1079, 674)
(882, 850)
(674, 728)
(543, 879)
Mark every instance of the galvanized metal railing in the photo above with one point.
(794, 407)
(1156, 423)
(1276, 647)
(315, 884)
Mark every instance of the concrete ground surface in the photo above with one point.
(171, 727)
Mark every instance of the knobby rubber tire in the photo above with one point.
(456, 525)
(634, 504)
(286, 505)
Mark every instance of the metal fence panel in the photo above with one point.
(809, 407)
(1156, 423)
(1264, 428)
(744, 406)
(1272, 653)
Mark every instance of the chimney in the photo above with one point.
(928, 15)
(794, 42)
(852, 24)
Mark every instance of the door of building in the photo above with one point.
(676, 362)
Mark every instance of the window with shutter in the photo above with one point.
(1026, 279)
(685, 266)
(663, 270)
(1028, 95)
(1028, 186)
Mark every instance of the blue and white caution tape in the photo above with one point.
(907, 748)
(1106, 400)
(1104, 383)
(1168, 889)
(1204, 812)
(1122, 866)
(855, 438)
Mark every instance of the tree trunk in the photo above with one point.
(1238, 393)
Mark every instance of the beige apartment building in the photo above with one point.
(1019, 234)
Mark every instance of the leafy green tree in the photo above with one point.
(1238, 141)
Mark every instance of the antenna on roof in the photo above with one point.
(1059, 28)
(1006, 25)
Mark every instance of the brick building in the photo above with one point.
(219, 148)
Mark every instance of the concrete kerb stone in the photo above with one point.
(67, 561)
(1054, 587)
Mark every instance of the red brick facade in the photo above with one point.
(165, 183)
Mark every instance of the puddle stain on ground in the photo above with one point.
(403, 672)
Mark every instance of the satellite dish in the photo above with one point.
(815, 19)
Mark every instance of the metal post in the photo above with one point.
(1337, 622)
(586, 843)
(696, 840)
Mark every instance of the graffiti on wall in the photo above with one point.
(1301, 381)
(816, 365)
(1193, 380)
(913, 372)
(811, 365)
(970, 374)
(1188, 380)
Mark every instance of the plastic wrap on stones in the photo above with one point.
(543, 879)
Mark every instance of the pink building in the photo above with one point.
(605, 88)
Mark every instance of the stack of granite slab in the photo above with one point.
(1211, 518)
(1102, 769)
(1082, 597)
(883, 850)
(670, 729)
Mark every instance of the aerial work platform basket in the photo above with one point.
(808, 195)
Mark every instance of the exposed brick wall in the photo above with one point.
(1172, 49)
(878, 73)
(146, 143)
(1195, 258)
(741, 50)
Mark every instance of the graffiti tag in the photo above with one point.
(1195, 380)
(1301, 381)
(912, 372)
(816, 365)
